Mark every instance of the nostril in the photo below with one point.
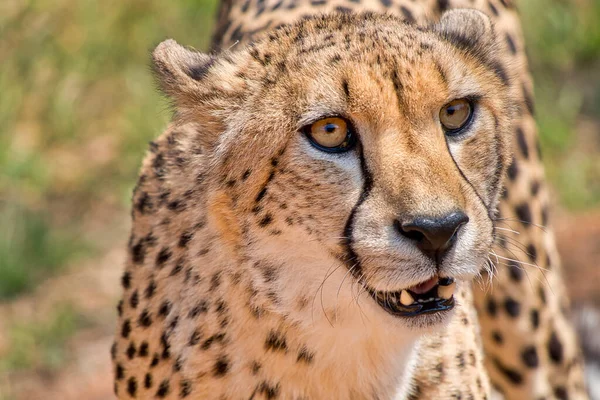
(409, 232)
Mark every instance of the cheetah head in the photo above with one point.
(354, 161)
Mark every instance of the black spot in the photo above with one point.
(164, 309)
(460, 360)
(513, 170)
(270, 392)
(132, 386)
(138, 253)
(195, 338)
(261, 194)
(134, 299)
(184, 239)
(143, 350)
(215, 281)
(493, 8)
(561, 393)
(544, 215)
(246, 174)
(176, 206)
(512, 307)
(555, 349)
(200, 308)
(535, 318)
(513, 376)
(386, 3)
(221, 367)
(275, 342)
(151, 289)
(491, 307)
(120, 308)
(255, 367)
(158, 165)
(145, 319)
(342, 10)
(186, 388)
(113, 351)
(524, 213)
(163, 256)
(126, 329)
(528, 100)
(148, 381)
(535, 188)
(530, 357)
(155, 360)
(126, 280)
(131, 350)
(532, 252)
(178, 364)
(515, 270)
(143, 203)
(176, 269)
(511, 44)
(163, 389)
(522, 141)
(119, 372)
(408, 15)
(442, 5)
(346, 89)
(266, 220)
(305, 356)
(542, 294)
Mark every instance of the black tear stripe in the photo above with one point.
(468, 181)
(352, 260)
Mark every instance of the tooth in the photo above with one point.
(406, 299)
(445, 292)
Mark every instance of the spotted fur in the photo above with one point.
(252, 252)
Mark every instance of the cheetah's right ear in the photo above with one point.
(467, 28)
(180, 70)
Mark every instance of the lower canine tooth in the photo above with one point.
(445, 292)
(406, 299)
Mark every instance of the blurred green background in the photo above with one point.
(77, 108)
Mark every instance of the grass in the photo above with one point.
(78, 105)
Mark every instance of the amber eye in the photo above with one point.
(332, 134)
(455, 115)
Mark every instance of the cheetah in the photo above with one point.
(346, 205)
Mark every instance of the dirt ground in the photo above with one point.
(94, 287)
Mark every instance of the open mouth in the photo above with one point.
(431, 296)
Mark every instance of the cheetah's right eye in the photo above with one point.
(333, 135)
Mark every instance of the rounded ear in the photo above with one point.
(179, 69)
(466, 28)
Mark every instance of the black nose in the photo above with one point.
(434, 236)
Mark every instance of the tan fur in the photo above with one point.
(241, 282)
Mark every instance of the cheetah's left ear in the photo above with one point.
(467, 28)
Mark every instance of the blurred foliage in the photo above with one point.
(563, 45)
(78, 105)
(41, 345)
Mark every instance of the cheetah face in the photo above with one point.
(356, 144)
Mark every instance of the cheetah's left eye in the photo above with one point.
(455, 115)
